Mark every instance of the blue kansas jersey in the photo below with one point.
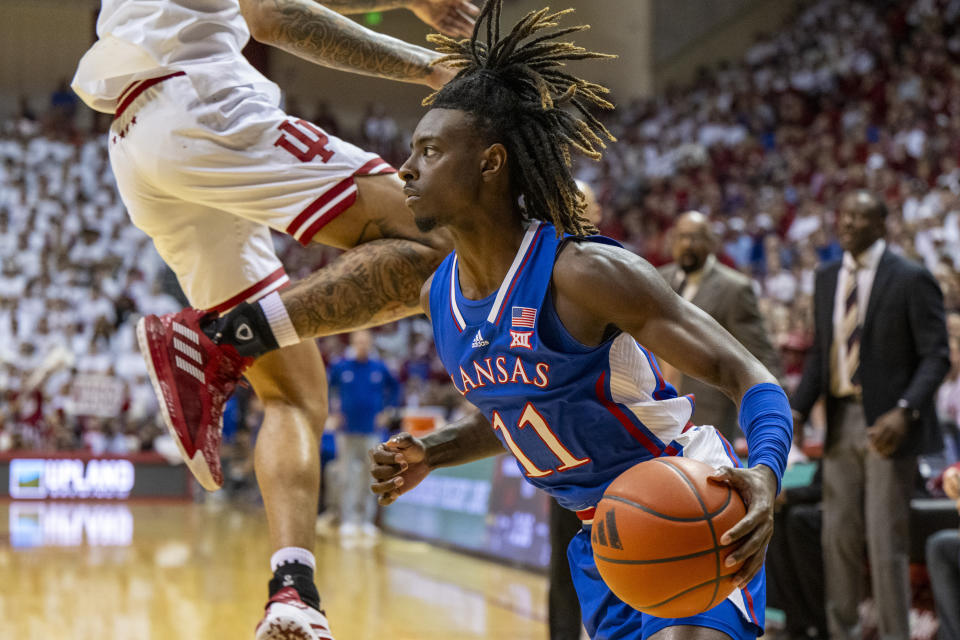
(573, 416)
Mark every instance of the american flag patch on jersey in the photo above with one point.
(524, 317)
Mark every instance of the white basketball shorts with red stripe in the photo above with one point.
(207, 177)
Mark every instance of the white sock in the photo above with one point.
(279, 320)
(292, 554)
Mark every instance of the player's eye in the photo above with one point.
(429, 151)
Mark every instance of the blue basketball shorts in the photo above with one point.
(606, 617)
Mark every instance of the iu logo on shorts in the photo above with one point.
(305, 141)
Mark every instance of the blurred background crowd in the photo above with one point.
(845, 95)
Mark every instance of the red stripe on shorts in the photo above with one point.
(331, 194)
(368, 168)
(376, 166)
(587, 514)
(323, 220)
(139, 87)
(749, 598)
(275, 280)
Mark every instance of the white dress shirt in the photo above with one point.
(694, 277)
(865, 267)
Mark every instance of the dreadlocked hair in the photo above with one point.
(515, 88)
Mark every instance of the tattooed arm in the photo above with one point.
(452, 17)
(320, 35)
(369, 285)
(363, 6)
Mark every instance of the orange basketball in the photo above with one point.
(656, 537)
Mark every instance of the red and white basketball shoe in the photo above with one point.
(288, 618)
(193, 377)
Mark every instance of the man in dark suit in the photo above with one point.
(728, 296)
(880, 352)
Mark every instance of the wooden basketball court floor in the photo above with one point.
(159, 571)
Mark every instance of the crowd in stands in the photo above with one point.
(74, 275)
(848, 94)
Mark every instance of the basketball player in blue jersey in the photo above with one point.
(540, 324)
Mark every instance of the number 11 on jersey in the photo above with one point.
(532, 417)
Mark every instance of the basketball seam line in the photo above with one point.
(706, 512)
(716, 585)
(664, 516)
(698, 554)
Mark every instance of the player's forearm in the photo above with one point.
(364, 6)
(693, 341)
(322, 36)
(711, 354)
(373, 284)
(466, 440)
(766, 420)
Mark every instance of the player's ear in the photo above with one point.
(493, 163)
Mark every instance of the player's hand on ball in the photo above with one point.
(454, 18)
(397, 465)
(758, 487)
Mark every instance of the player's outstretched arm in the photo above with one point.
(451, 17)
(403, 461)
(323, 36)
(600, 285)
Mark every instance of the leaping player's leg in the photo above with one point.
(247, 163)
(292, 386)
(222, 260)
(216, 256)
